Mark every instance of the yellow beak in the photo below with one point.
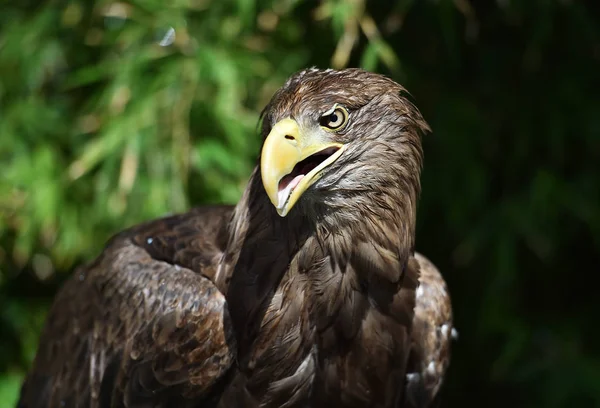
(283, 174)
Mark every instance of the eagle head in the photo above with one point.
(334, 138)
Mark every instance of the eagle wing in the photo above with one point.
(432, 334)
(143, 325)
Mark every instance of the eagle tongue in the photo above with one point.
(287, 190)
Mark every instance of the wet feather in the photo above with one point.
(235, 306)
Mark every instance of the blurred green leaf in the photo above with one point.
(112, 113)
(10, 386)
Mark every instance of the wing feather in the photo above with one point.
(139, 326)
(431, 337)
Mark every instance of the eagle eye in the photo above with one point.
(335, 119)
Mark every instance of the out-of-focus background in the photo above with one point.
(116, 112)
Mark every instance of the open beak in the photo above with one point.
(291, 162)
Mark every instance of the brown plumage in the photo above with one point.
(307, 293)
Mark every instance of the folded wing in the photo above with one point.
(431, 337)
(139, 327)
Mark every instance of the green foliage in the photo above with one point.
(116, 112)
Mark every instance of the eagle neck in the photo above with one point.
(358, 255)
(260, 249)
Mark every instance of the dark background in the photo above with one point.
(107, 120)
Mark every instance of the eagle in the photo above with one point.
(307, 293)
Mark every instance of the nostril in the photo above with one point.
(288, 137)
